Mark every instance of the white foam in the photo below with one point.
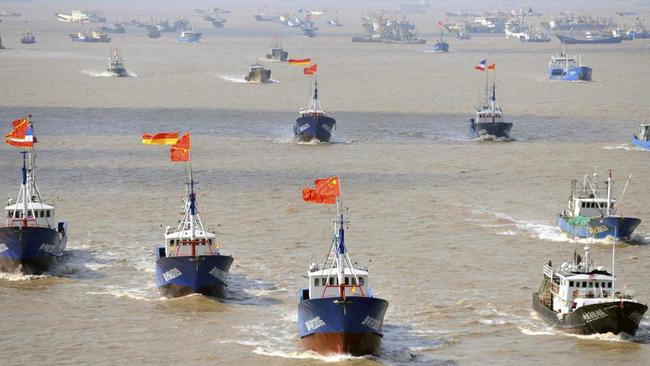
(242, 80)
(19, 277)
(106, 74)
(307, 355)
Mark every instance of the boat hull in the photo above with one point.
(606, 40)
(314, 128)
(194, 38)
(441, 47)
(582, 73)
(30, 250)
(640, 143)
(617, 228)
(489, 129)
(608, 317)
(259, 76)
(180, 276)
(119, 72)
(352, 326)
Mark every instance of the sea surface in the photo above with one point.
(454, 231)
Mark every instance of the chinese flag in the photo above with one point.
(326, 191)
(21, 134)
(311, 70)
(180, 151)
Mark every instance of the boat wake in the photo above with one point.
(507, 225)
(626, 147)
(139, 294)
(494, 138)
(106, 74)
(19, 277)
(242, 80)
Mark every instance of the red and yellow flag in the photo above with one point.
(311, 70)
(161, 138)
(21, 134)
(492, 67)
(326, 190)
(180, 151)
(299, 62)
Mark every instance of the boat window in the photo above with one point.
(571, 283)
(584, 284)
(591, 284)
(316, 281)
(597, 284)
(10, 214)
(609, 284)
(331, 281)
(354, 281)
(347, 280)
(47, 213)
(361, 281)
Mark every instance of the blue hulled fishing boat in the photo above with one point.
(489, 123)
(337, 312)
(190, 261)
(564, 67)
(591, 212)
(30, 240)
(441, 45)
(91, 37)
(313, 124)
(189, 36)
(642, 138)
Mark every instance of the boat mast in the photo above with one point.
(340, 247)
(609, 192)
(24, 189)
(613, 268)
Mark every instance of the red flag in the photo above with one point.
(492, 67)
(21, 134)
(180, 151)
(326, 191)
(299, 61)
(311, 70)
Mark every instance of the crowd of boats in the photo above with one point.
(337, 309)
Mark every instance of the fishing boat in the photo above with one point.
(581, 298)
(463, 35)
(564, 67)
(116, 64)
(309, 29)
(277, 53)
(93, 36)
(191, 261)
(30, 240)
(28, 38)
(589, 39)
(188, 36)
(152, 31)
(258, 74)
(488, 122)
(116, 28)
(336, 22)
(313, 124)
(531, 36)
(337, 311)
(441, 45)
(642, 138)
(592, 213)
(1, 46)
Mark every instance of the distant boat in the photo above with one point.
(263, 17)
(277, 53)
(589, 39)
(313, 124)
(93, 36)
(258, 74)
(116, 28)
(592, 212)
(535, 37)
(28, 38)
(463, 35)
(9, 13)
(1, 46)
(31, 239)
(642, 138)
(337, 311)
(581, 298)
(489, 122)
(309, 29)
(564, 67)
(79, 16)
(116, 64)
(152, 31)
(188, 36)
(218, 22)
(441, 45)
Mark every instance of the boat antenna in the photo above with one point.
(614, 268)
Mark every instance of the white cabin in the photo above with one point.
(572, 287)
(325, 282)
(591, 199)
(180, 243)
(38, 214)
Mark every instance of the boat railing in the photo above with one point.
(24, 222)
(548, 271)
(601, 293)
(343, 287)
